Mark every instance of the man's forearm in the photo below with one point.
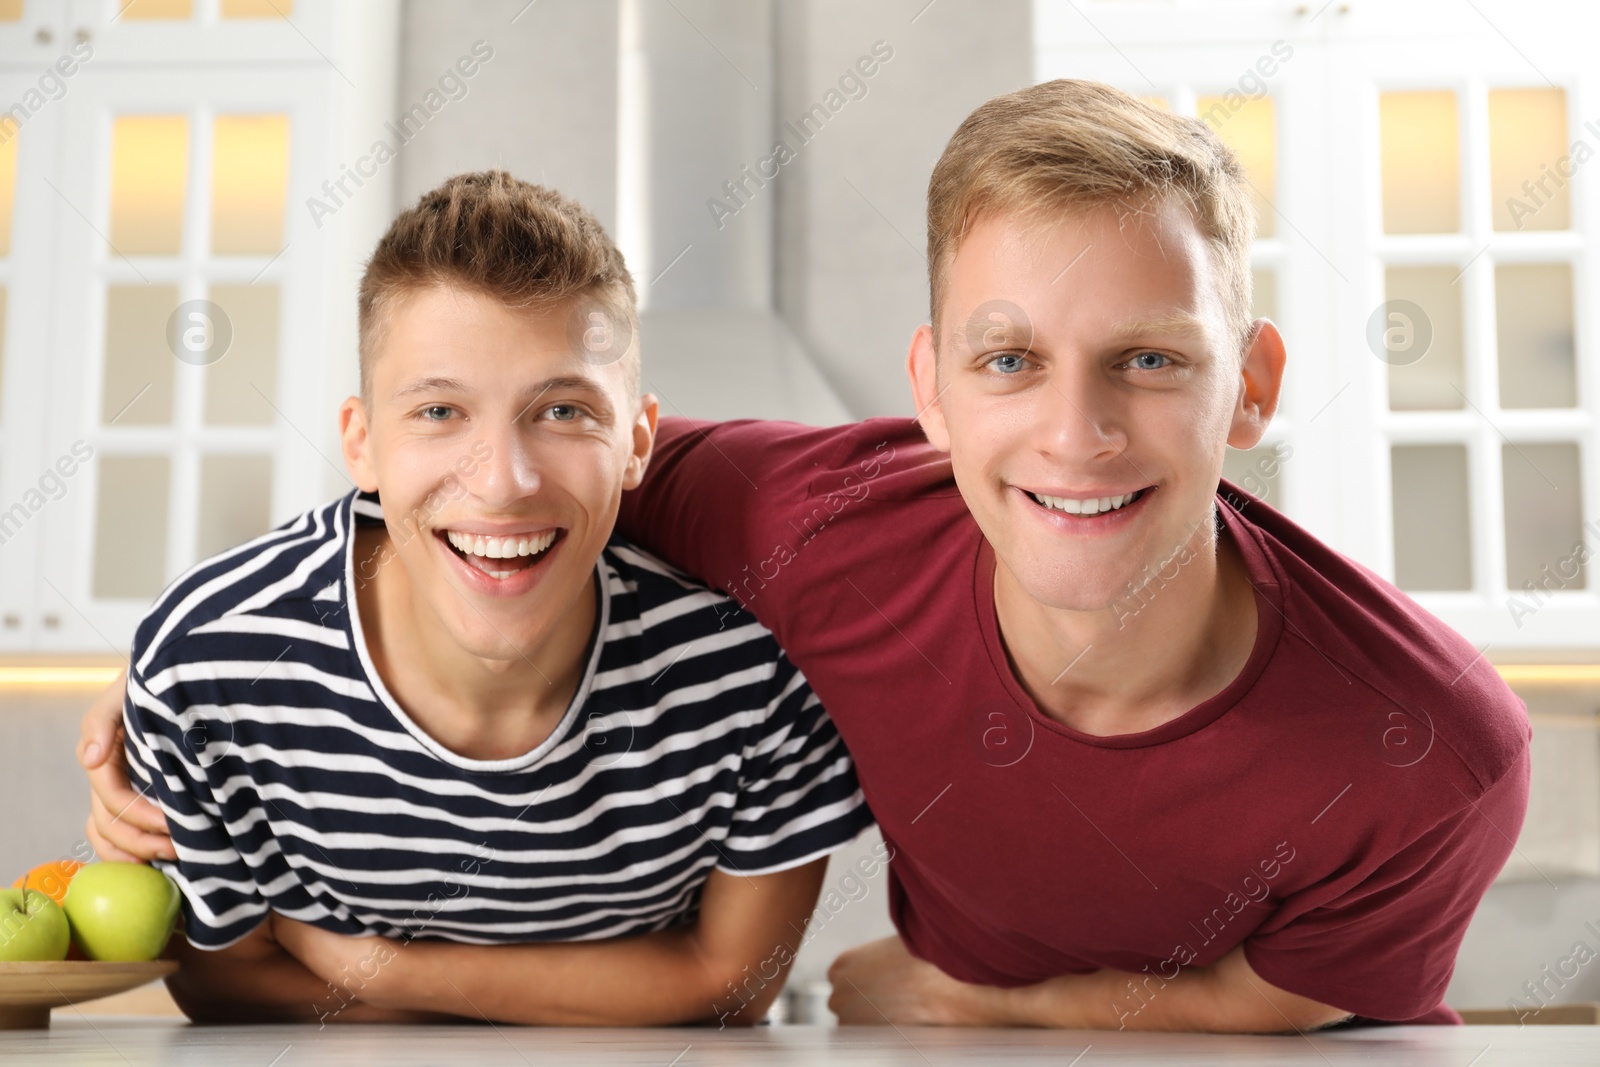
(656, 979)
(1226, 997)
(728, 966)
(273, 987)
(269, 991)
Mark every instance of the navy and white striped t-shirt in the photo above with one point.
(293, 781)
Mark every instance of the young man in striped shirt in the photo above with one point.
(463, 753)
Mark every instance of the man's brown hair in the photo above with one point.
(487, 232)
(1065, 144)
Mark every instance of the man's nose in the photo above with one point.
(509, 473)
(1080, 416)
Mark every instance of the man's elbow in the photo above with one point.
(1280, 1015)
(739, 993)
(1243, 1001)
(203, 1006)
(1312, 1016)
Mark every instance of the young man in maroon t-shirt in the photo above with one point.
(1148, 754)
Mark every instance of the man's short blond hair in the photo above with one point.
(1066, 145)
(522, 244)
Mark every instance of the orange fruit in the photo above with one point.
(51, 879)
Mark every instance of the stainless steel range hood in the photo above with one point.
(698, 184)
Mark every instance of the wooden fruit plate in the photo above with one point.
(29, 990)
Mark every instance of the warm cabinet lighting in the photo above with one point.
(98, 677)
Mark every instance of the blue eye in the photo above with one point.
(562, 412)
(433, 413)
(1149, 361)
(1007, 363)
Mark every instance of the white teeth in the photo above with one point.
(501, 547)
(1091, 506)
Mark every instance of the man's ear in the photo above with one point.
(356, 441)
(644, 441)
(922, 367)
(1260, 382)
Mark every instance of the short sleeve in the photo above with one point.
(704, 503)
(1386, 948)
(798, 795)
(170, 752)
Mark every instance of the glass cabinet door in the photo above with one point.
(189, 274)
(1473, 473)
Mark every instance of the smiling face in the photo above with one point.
(1086, 384)
(500, 456)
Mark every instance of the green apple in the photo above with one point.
(32, 927)
(121, 911)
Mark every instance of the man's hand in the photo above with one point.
(880, 982)
(123, 824)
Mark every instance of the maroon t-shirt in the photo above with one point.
(1339, 808)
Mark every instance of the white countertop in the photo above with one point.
(133, 1042)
